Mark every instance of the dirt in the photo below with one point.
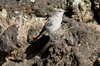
(78, 38)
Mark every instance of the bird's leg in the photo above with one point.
(53, 38)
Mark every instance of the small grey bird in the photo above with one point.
(53, 23)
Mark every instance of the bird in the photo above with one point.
(53, 23)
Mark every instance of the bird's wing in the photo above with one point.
(49, 22)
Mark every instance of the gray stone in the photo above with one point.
(8, 40)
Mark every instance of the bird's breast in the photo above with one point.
(55, 25)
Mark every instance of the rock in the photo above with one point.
(84, 38)
(32, 1)
(82, 48)
(3, 13)
(44, 7)
(8, 40)
(79, 10)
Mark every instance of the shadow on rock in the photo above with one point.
(96, 11)
(96, 63)
(2, 60)
(36, 46)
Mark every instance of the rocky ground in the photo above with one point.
(78, 42)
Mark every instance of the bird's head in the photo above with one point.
(59, 12)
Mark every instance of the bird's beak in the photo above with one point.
(65, 11)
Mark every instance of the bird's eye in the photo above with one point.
(59, 11)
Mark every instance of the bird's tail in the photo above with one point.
(40, 33)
